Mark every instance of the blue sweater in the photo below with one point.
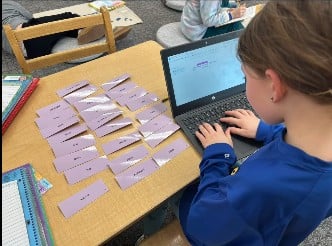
(278, 196)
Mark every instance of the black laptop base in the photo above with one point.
(243, 147)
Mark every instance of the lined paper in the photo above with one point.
(8, 93)
(14, 231)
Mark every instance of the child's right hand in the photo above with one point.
(243, 122)
(238, 12)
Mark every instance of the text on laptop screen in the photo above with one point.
(205, 71)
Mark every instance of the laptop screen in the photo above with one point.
(203, 71)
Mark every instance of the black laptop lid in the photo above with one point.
(202, 72)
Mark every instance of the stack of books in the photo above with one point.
(16, 89)
(109, 4)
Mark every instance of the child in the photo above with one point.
(17, 17)
(200, 17)
(281, 193)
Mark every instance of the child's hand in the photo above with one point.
(244, 121)
(238, 12)
(208, 135)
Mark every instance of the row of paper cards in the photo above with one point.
(76, 154)
(125, 179)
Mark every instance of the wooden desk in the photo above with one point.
(117, 209)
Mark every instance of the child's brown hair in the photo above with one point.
(294, 38)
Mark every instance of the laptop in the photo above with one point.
(204, 79)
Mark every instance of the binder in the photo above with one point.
(27, 86)
(38, 230)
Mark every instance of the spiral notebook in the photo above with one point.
(24, 219)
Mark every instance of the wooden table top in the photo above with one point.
(117, 209)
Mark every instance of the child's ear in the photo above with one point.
(278, 87)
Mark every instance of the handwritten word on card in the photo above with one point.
(53, 108)
(86, 170)
(130, 158)
(73, 145)
(114, 82)
(170, 151)
(71, 160)
(121, 142)
(136, 173)
(151, 112)
(75, 203)
(72, 88)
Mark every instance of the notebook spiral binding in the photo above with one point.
(38, 229)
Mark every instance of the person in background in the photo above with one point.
(206, 18)
(17, 17)
(282, 192)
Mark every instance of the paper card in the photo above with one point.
(113, 126)
(170, 151)
(121, 142)
(42, 183)
(91, 101)
(54, 119)
(71, 160)
(103, 119)
(121, 89)
(97, 110)
(47, 132)
(142, 101)
(14, 78)
(130, 96)
(114, 82)
(67, 134)
(124, 161)
(83, 198)
(72, 145)
(151, 112)
(86, 170)
(53, 108)
(80, 93)
(136, 173)
(157, 137)
(72, 88)
(154, 125)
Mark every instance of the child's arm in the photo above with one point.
(209, 211)
(266, 133)
(212, 14)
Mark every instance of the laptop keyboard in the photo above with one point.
(212, 113)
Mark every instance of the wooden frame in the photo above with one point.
(15, 37)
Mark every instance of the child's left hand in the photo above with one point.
(209, 134)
